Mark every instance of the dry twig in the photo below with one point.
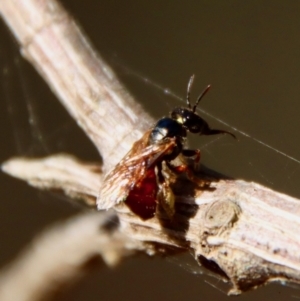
(61, 255)
(244, 232)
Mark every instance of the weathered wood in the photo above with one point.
(245, 232)
(54, 44)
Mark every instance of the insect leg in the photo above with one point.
(193, 154)
(188, 169)
(165, 194)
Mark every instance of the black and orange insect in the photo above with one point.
(140, 179)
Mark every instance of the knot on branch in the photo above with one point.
(218, 219)
(221, 215)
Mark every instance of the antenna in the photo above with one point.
(189, 91)
(200, 97)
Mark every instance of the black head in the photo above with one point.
(190, 120)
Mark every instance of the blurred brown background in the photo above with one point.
(248, 51)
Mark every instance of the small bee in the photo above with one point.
(141, 178)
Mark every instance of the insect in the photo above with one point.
(141, 178)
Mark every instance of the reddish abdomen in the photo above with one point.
(142, 198)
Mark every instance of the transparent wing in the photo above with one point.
(130, 170)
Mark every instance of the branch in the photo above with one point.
(244, 232)
(86, 86)
(234, 224)
(60, 256)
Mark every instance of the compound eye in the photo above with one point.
(178, 114)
